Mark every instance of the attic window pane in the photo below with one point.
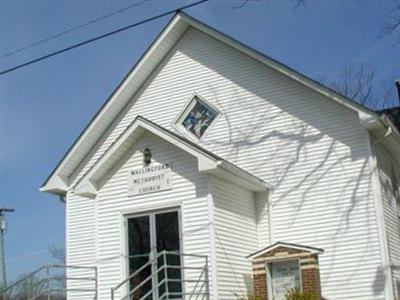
(199, 118)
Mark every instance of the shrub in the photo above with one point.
(297, 294)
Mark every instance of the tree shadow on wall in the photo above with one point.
(304, 142)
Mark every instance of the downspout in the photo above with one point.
(384, 119)
(270, 223)
(388, 132)
(62, 198)
(391, 128)
(392, 266)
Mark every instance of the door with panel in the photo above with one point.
(149, 235)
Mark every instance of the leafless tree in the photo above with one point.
(358, 81)
(59, 279)
(392, 25)
(30, 287)
(58, 253)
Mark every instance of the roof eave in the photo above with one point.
(118, 99)
(57, 185)
(252, 182)
(90, 183)
(278, 66)
(92, 125)
(311, 250)
(382, 128)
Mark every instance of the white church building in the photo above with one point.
(216, 172)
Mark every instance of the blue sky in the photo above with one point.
(45, 106)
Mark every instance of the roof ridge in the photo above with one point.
(174, 30)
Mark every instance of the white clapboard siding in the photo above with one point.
(122, 96)
(392, 226)
(263, 220)
(189, 192)
(311, 149)
(81, 244)
(235, 237)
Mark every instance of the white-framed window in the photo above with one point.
(282, 276)
(197, 117)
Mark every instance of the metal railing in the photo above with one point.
(187, 279)
(51, 282)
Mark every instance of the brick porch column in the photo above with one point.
(308, 263)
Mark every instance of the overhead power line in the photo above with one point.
(99, 37)
(57, 35)
(28, 255)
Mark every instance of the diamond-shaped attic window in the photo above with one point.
(198, 117)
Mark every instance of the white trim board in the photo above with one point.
(207, 162)
(59, 180)
(311, 250)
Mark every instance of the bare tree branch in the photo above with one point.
(392, 24)
(299, 3)
(357, 81)
(242, 4)
(58, 253)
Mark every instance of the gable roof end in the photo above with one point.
(207, 162)
(58, 180)
(311, 250)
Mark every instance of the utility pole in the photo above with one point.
(3, 226)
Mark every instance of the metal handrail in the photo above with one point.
(22, 280)
(145, 280)
(137, 271)
(48, 279)
(200, 283)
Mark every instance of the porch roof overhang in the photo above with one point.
(266, 250)
(207, 162)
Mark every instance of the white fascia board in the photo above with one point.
(84, 185)
(281, 68)
(384, 131)
(206, 165)
(88, 183)
(368, 121)
(205, 161)
(113, 105)
(311, 250)
(239, 176)
(395, 131)
(119, 98)
(86, 189)
(377, 124)
(57, 185)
